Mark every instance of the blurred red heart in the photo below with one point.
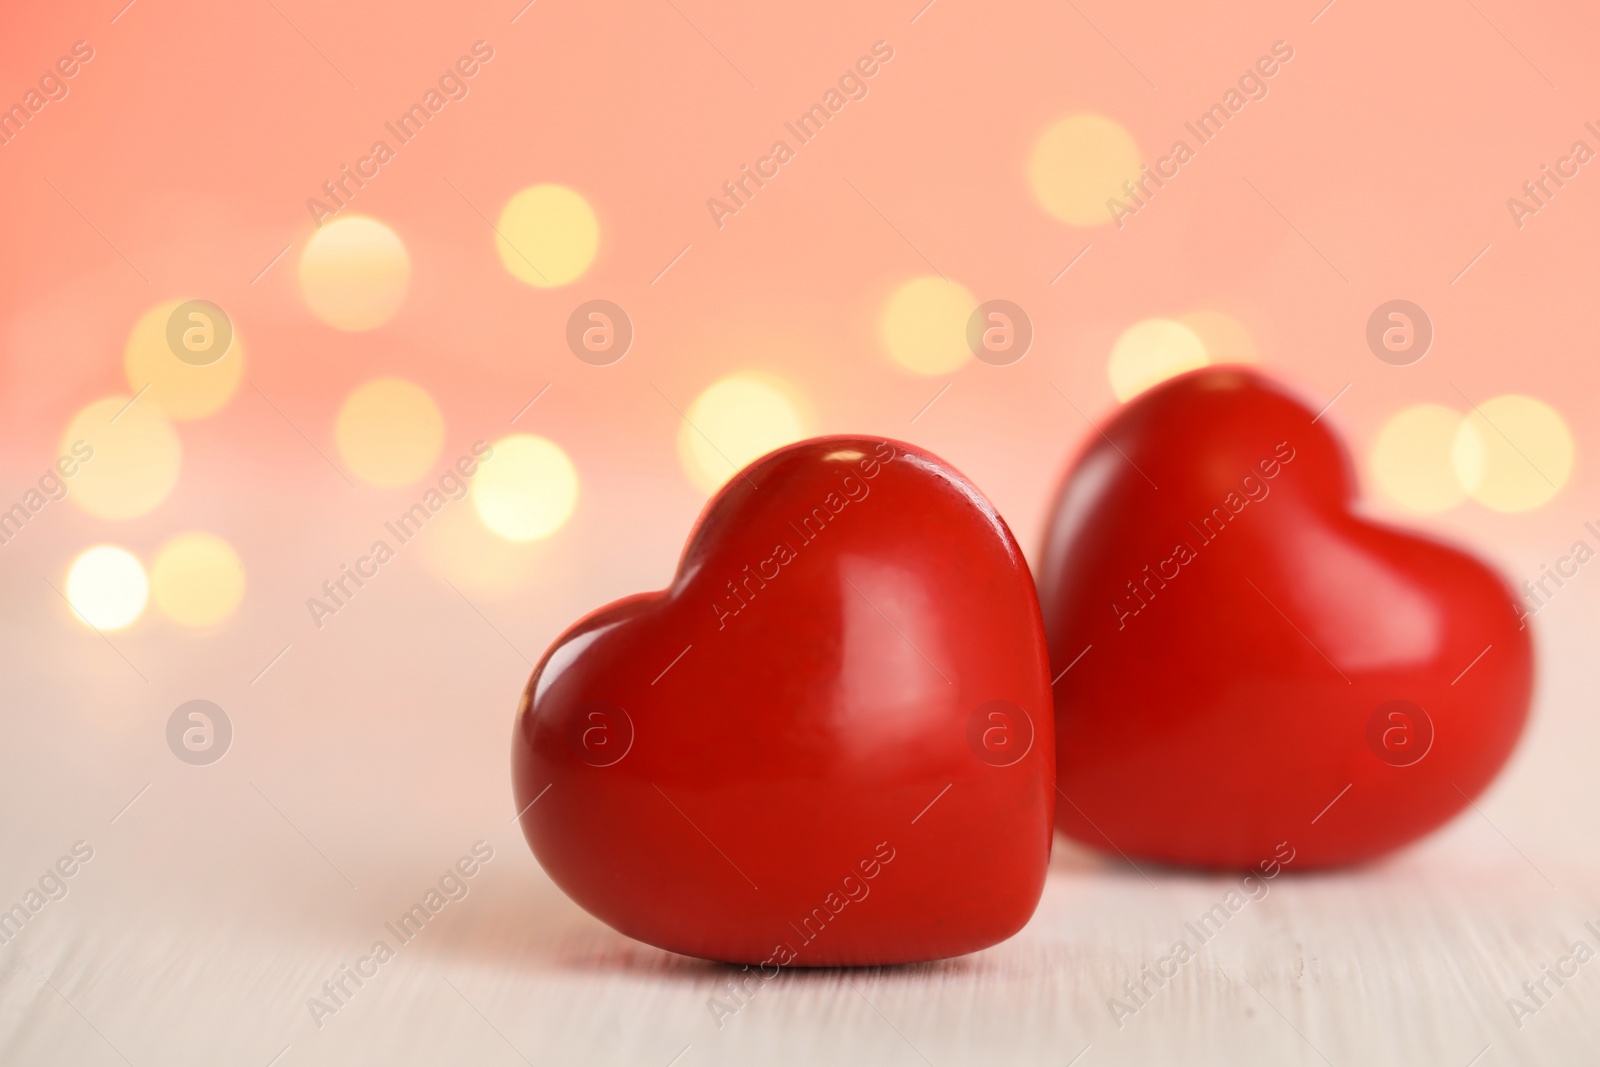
(829, 742)
(1259, 664)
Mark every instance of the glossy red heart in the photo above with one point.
(829, 742)
(1247, 660)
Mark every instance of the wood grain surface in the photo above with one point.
(220, 899)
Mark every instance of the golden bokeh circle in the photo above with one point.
(1411, 459)
(1513, 453)
(354, 273)
(924, 325)
(1079, 164)
(547, 235)
(182, 388)
(127, 457)
(197, 579)
(734, 421)
(389, 432)
(107, 587)
(1151, 351)
(526, 489)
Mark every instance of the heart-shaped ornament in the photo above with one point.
(1242, 660)
(828, 742)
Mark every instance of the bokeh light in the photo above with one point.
(547, 235)
(389, 432)
(197, 579)
(925, 325)
(737, 419)
(1079, 164)
(134, 457)
(1411, 459)
(183, 390)
(107, 587)
(1225, 338)
(1513, 453)
(354, 272)
(527, 488)
(1150, 352)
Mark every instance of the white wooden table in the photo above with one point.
(220, 900)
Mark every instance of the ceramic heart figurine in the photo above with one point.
(829, 742)
(1260, 664)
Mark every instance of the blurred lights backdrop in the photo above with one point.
(381, 324)
(380, 327)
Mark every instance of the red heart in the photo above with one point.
(829, 742)
(1260, 665)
